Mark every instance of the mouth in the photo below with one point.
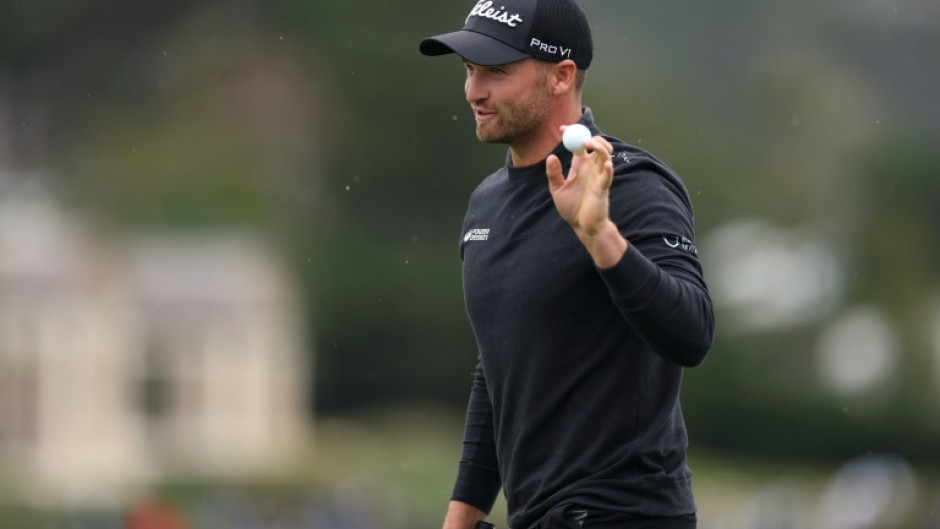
(483, 115)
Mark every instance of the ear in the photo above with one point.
(564, 77)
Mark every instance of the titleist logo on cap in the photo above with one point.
(484, 9)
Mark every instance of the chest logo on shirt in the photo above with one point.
(477, 234)
(622, 156)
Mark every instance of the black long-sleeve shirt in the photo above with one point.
(576, 394)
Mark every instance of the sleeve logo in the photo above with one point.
(676, 241)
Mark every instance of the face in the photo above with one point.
(509, 101)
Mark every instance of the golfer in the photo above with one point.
(584, 290)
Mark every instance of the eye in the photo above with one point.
(497, 71)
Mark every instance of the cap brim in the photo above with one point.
(474, 47)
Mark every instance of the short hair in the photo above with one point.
(580, 74)
(579, 80)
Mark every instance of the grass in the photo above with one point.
(391, 468)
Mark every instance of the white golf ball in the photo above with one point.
(575, 136)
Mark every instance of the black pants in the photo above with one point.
(569, 516)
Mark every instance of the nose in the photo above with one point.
(474, 88)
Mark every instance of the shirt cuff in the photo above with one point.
(633, 280)
(476, 487)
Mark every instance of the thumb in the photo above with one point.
(553, 169)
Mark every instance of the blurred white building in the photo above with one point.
(121, 364)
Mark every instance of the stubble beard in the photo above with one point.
(517, 120)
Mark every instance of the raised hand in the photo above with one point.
(583, 199)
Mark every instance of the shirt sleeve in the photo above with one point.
(478, 480)
(658, 285)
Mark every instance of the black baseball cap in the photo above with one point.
(505, 31)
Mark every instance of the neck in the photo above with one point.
(536, 146)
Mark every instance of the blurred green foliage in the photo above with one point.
(319, 124)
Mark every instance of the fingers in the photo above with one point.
(597, 153)
(599, 144)
(602, 151)
(553, 169)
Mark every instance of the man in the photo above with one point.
(584, 291)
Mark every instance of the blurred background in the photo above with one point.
(230, 290)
